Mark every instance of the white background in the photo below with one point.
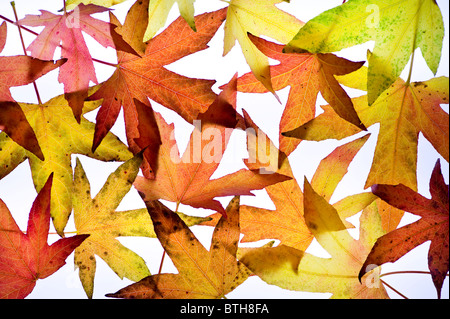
(17, 190)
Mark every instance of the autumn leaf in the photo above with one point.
(201, 273)
(294, 269)
(397, 27)
(59, 136)
(159, 10)
(186, 179)
(433, 225)
(286, 223)
(307, 75)
(17, 71)
(27, 257)
(261, 18)
(146, 77)
(403, 111)
(67, 29)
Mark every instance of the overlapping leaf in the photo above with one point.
(25, 258)
(432, 226)
(286, 223)
(146, 77)
(186, 179)
(67, 29)
(59, 136)
(307, 75)
(99, 219)
(261, 18)
(294, 269)
(17, 71)
(202, 274)
(397, 27)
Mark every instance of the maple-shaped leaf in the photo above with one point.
(433, 225)
(17, 71)
(159, 10)
(98, 218)
(59, 136)
(294, 269)
(397, 27)
(403, 111)
(146, 77)
(286, 223)
(260, 18)
(307, 74)
(201, 273)
(25, 258)
(66, 29)
(186, 179)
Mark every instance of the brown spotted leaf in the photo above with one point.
(201, 273)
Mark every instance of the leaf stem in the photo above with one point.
(162, 262)
(13, 5)
(393, 289)
(407, 272)
(408, 81)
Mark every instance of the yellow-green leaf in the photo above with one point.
(70, 4)
(158, 11)
(98, 218)
(397, 27)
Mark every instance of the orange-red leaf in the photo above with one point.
(307, 75)
(17, 71)
(25, 258)
(146, 77)
(186, 179)
(434, 226)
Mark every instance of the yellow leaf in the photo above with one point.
(258, 18)
(59, 136)
(294, 269)
(158, 11)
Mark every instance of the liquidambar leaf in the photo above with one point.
(59, 136)
(25, 258)
(202, 273)
(79, 69)
(260, 18)
(434, 226)
(186, 178)
(294, 269)
(158, 11)
(307, 74)
(397, 27)
(99, 219)
(146, 77)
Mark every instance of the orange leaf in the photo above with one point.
(307, 75)
(146, 77)
(25, 258)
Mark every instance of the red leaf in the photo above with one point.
(25, 258)
(434, 226)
